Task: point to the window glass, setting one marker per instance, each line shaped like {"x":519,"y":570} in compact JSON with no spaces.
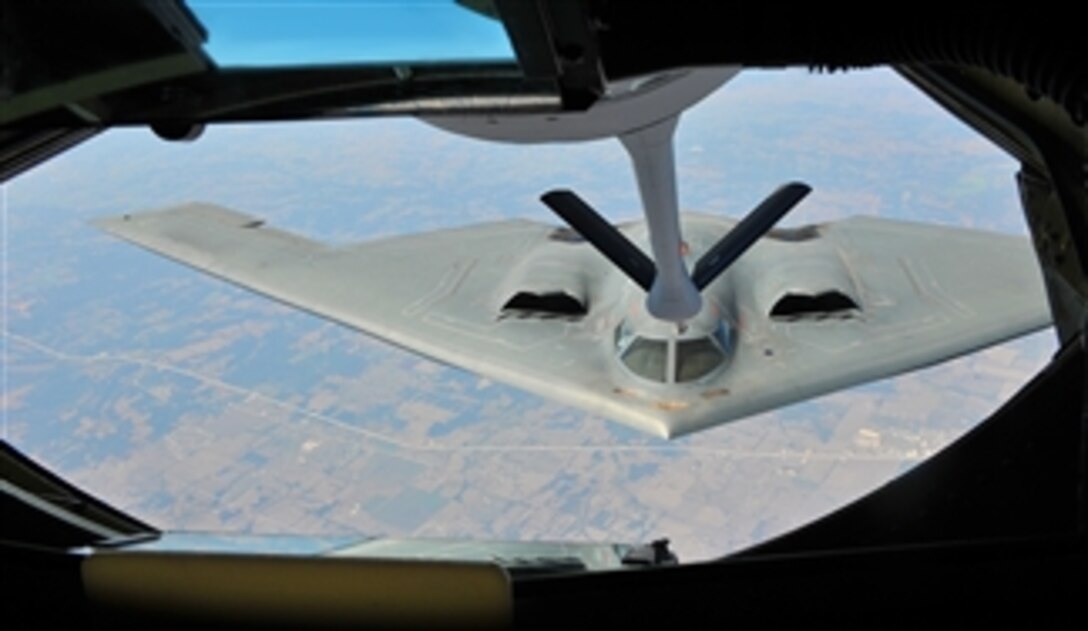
{"x":696,"y":358}
{"x":724,"y":339}
{"x":288,"y":32}
{"x":144,"y":380}
{"x":623,"y":338}
{"x":647,"y":358}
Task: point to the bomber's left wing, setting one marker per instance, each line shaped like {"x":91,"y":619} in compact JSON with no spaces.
{"x":443,"y":294}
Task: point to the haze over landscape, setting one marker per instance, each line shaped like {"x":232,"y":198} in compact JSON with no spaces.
{"x":198,"y":406}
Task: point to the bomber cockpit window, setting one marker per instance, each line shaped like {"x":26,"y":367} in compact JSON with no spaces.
{"x":697,"y":358}
{"x":671,"y":360}
{"x":647,"y":358}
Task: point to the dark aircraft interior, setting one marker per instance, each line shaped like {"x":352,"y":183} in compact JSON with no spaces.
{"x":993,"y":529}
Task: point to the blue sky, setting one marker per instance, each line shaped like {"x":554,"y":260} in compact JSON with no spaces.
{"x":272,"y":32}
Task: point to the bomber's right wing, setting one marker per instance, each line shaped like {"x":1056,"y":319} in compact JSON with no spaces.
{"x":830,"y":306}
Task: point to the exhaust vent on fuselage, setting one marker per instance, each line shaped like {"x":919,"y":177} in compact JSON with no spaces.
{"x":552,"y":280}
{"x":555,"y":304}
{"x":820,"y":306}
